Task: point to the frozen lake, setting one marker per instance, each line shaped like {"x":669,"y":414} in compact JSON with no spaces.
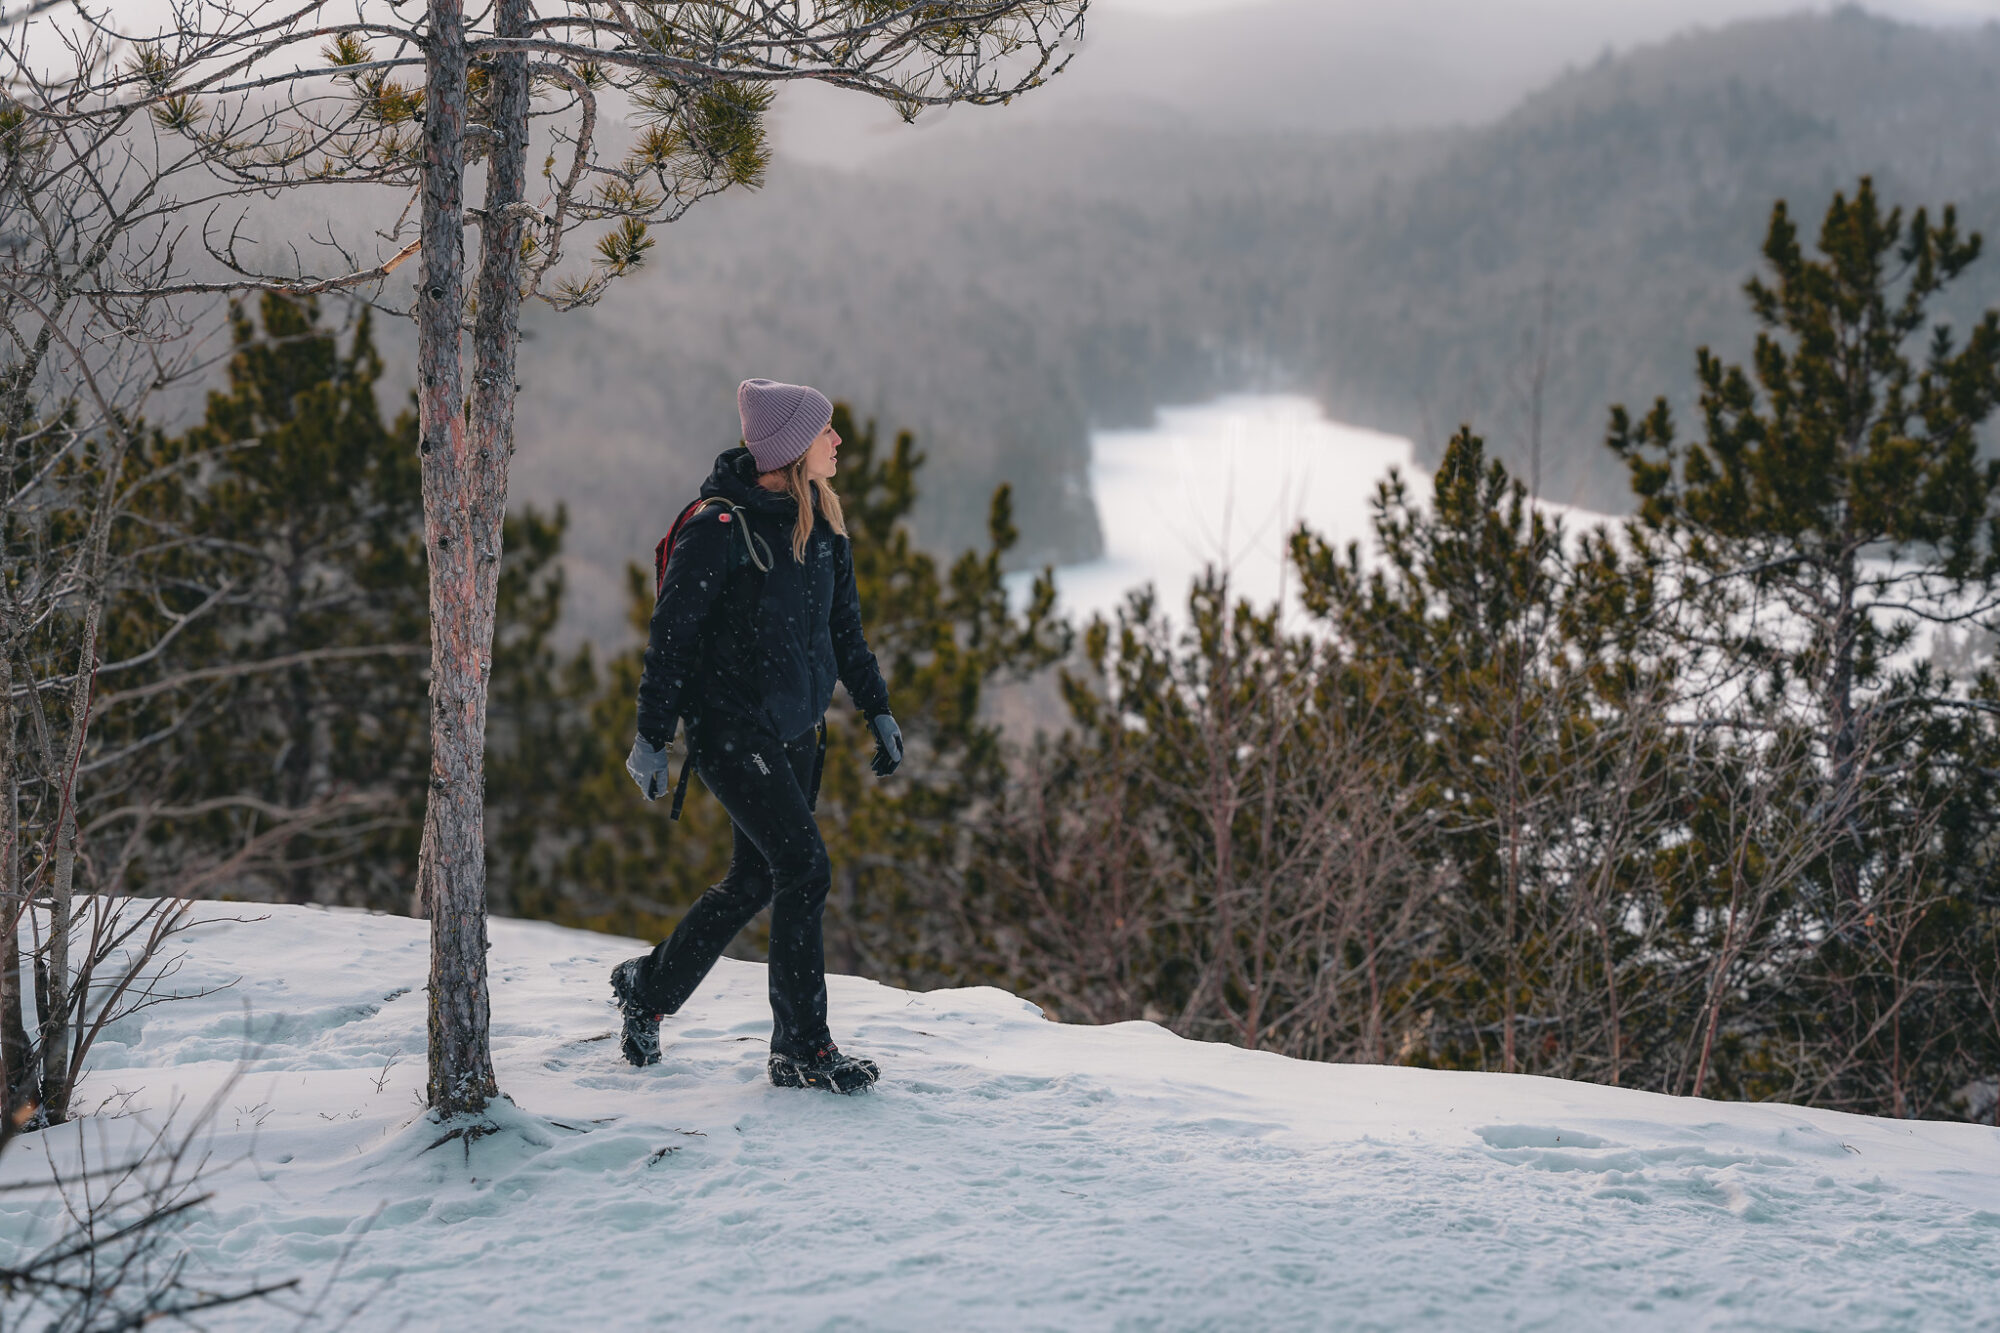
{"x":1224,"y":484}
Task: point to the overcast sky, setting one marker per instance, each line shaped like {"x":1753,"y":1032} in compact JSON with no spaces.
{"x":1669,"y":13}
{"x":1311,"y":65}
{"x":1294,"y":65}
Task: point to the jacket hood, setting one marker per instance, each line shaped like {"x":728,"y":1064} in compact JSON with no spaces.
{"x":734,"y":479}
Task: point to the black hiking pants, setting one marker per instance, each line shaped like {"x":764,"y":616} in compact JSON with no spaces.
{"x":777,"y":859}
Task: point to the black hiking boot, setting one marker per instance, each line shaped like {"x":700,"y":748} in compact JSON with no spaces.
{"x":640,"y":1041}
{"x":824,"y":1068}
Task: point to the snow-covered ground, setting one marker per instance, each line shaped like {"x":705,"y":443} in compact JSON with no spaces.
{"x":1009,"y":1173}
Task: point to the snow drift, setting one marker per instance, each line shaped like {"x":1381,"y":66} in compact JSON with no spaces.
{"x":1010,"y":1172}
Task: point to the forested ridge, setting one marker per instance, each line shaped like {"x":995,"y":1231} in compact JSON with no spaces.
{"x":1001,"y":292}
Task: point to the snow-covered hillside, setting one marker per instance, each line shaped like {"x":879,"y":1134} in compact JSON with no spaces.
{"x":1010,"y":1172}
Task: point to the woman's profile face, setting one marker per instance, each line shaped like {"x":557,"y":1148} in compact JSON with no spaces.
{"x":822,"y":459}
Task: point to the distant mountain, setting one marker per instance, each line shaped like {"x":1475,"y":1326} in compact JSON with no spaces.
{"x":1290,"y":67}
{"x":1004,"y":290}
{"x":1635,"y":195}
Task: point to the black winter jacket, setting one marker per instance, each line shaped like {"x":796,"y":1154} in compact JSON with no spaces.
{"x":732,"y":643}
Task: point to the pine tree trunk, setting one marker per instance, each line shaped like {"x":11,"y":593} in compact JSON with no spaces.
{"x":495,"y":335}
{"x":495,"y":330}
{"x":461,"y":529}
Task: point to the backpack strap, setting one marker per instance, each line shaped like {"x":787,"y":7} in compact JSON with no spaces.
{"x":752,"y":543}
{"x":757,"y":548}
{"x":681,"y":787}
{"x":819,"y":766}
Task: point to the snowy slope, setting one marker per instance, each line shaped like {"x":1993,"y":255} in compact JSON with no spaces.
{"x":1010,"y":1173}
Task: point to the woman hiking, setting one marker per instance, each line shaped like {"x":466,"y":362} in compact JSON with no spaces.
{"x":756,"y":617}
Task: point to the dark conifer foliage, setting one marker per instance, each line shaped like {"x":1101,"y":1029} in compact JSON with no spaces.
{"x":289,"y":518}
{"x":1836,"y":508}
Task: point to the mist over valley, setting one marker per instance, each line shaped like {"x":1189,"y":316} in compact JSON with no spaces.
{"x":1002,"y":285}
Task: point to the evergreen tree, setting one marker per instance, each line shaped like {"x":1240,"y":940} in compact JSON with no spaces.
{"x":1837,"y":508}
{"x":1464,"y":622}
{"x":286,"y":529}
{"x":289,"y":519}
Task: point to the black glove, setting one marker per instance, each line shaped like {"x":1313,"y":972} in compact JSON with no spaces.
{"x":648,"y":768}
{"x":888,"y":745}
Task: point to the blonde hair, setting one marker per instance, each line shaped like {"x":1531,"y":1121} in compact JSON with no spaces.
{"x":801,"y":490}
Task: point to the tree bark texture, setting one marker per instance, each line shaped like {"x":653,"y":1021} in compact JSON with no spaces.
{"x":462,"y":513}
{"x":495,"y":335}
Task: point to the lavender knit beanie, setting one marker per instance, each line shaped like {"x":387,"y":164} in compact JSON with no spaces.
{"x":780,"y":421}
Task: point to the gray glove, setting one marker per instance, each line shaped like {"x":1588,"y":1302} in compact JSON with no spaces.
{"x":648,"y":768}
{"x":888,"y":745}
